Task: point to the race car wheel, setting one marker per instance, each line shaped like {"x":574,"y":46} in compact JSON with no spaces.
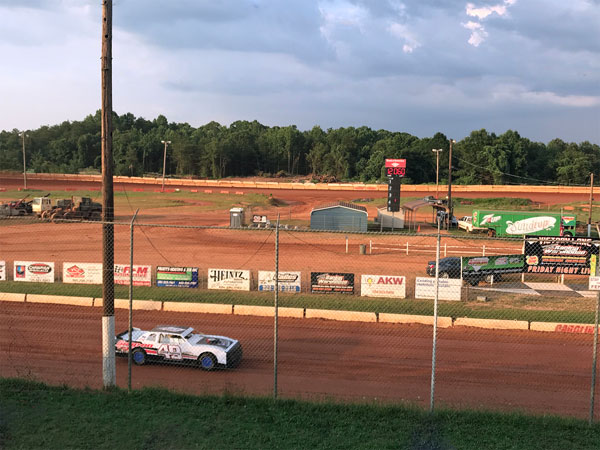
{"x":444,"y":275}
{"x":207,"y":361}
{"x":139,"y":356}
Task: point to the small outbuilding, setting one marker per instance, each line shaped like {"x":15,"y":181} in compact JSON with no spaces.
{"x":340,"y":216}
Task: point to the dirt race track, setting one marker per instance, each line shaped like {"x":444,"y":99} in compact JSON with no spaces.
{"x":508,"y":370}
{"x":542,"y":373}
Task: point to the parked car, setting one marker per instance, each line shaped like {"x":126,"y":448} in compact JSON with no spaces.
{"x":179,"y":345}
{"x":450,"y":268}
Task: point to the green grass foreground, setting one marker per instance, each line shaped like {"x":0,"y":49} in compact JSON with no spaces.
{"x":35,"y":416}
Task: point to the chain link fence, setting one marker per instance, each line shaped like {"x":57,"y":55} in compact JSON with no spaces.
{"x":350,"y":316}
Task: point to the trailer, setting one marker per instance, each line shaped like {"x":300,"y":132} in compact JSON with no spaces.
{"x":521,"y":223}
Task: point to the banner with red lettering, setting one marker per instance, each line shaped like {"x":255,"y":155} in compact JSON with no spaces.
{"x":142,"y":275}
{"x":393,"y":286}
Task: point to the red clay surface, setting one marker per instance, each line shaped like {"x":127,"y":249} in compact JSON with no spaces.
{"x":542,"y":373}
{"x":536,"y":372}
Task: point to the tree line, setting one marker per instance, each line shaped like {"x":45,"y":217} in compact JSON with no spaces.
{"x":252,"y":149}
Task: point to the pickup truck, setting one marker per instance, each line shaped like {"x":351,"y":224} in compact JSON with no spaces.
{"x":466,"y":223}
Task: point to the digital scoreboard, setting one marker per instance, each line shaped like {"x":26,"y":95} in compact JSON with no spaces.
{"x":395,"y":167}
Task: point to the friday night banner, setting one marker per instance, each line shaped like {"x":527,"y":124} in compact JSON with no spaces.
{"x":331,"y":282}
{"x":560,"y":255}
{"x":492,"y":264}
{"x":183,"y":277}
{"x":288,"y":281}
{"x":237,"y":280}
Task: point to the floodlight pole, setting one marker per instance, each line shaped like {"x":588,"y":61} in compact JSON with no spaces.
{"x":450,"y":212}
{"x":24,"y":135}
{"x":164,"y":164}
{"x":437,"y":169}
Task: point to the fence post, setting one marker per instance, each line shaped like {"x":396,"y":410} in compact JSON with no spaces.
{"x":407,"y":247}
{"x":276,"y":314}
{"x":594,"y":360}
{"x":483,"y":250}
{"x":370,"y":247}
{"x":435,"y":315}
{"x":130,"y":331}
{"x":445,"y":249}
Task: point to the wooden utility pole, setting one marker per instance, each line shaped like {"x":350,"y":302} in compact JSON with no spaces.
{"x":108,"y":257}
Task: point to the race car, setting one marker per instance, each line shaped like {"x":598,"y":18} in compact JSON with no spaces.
{"x":179,"y":345}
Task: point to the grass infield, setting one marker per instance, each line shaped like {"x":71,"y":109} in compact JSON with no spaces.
{"x":36,"y":416}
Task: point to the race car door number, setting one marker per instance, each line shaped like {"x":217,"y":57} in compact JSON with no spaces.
{"x":169,"y":351}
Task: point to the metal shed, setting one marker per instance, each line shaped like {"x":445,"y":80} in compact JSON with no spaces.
{"x":340,"y":216}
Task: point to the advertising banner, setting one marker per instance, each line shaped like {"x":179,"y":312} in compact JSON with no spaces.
{"x":183,"y":277}
{"x":594,"y":284}
{"x":560,"y":255}
{"x":448,"y":288}
{"x":2,"y":270}
{"x":330,"y":282}
{"x":237,"y":280}
{"x":493,"y":264}
{"x":288,"y":281}
{"x":82,"y":273}
{"x":38,"y":272}
{"x":383,"y":286}
{"x":142,"y":275}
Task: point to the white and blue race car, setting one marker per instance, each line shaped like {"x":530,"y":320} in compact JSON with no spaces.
{"x":179,"y":345}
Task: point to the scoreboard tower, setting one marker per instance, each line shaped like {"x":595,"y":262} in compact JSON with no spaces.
{"x":394,"y":170}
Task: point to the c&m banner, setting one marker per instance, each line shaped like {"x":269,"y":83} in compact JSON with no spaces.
{"x":82,"y":273}
{"x":142,"y":275}
{"x":383,"y":286}
{"x":288,"y":281}
{"x":184,"y":277}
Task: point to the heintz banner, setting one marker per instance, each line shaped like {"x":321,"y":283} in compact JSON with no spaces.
{"x":37,"y":272}
{"x":331,"y":282}
{"x":391,"y":286}
{"x":183,"y":277}
{"x":234,"y":279}
{"x":142,"y":275}
{"x":560,"y":255}
{"x":82,"y":273}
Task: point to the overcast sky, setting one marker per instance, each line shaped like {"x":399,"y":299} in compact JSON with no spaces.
{"x":419,"y":66}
